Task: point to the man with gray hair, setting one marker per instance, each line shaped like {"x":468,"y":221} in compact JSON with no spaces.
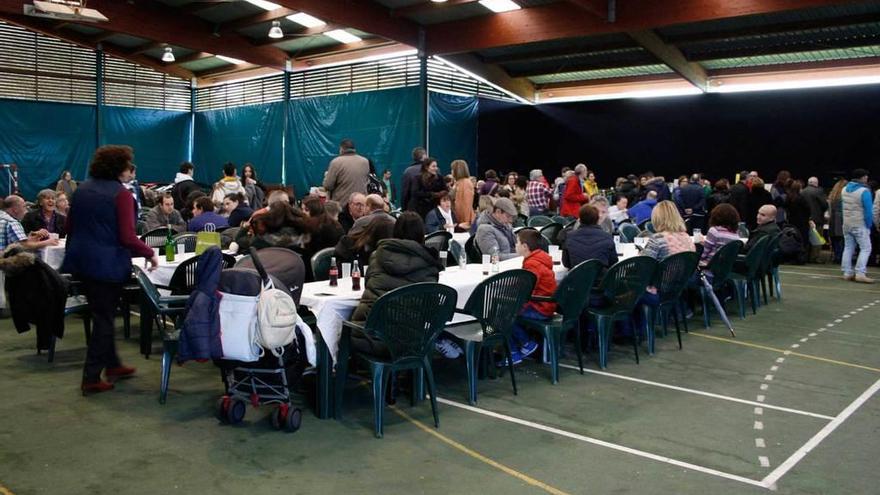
{"x":600,"y":203}
{"x":11,"y":231}
{"x":44,"y":216}
{"x":375,"y":206}
{"x":818,"y":203}
{"x":495,"y":230}
{"x":538,"y":193}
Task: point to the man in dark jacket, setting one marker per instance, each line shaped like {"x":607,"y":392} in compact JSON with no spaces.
{"x":739,"y":195}
{"x":692,"y":199}
{"x":183,"y":185}
{"x":817,"y":200}
{"x":411,"y":178}
{"x":589,"y":241}
{"x":766,"y":226}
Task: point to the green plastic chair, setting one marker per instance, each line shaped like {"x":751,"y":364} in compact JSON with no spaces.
{"x":670,"y":279}
{"x":474,"y":255}
{"x":628,"y":232}
{"x":571,"y":297}
{"x":747,"y":271}
{"x":770,"y":272}
{"x":494,"y":303}
{"x":155,"y":238}
{"x":721,"y":266}
{"x":189,"y":241}
{"x":565,"y":221}
{"x":321,"y":263}
{"x":520,"y":220}
{"x":551,"y":232}
{"x":539,"y":221}
{"x":455,"y":250}
{"x":438,"y":240}
{"x":407,"y":320}
{"x":621,"y":288}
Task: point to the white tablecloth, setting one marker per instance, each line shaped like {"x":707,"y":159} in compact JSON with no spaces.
{"x":162,"y":274}
{"x":333,"y":305}
{"x":53,"y":255}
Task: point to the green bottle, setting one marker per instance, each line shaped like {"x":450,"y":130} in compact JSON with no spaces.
{"x":170,"y":246}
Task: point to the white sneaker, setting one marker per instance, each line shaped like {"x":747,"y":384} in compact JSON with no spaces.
{"x":447,"y":348}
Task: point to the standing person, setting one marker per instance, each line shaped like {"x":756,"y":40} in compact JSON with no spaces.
{"x":66,"y":184}
{"x":463,"y":201}
{"x":573,"y":197}
{"x":720,"y":194}
{"x":518,"y":196}
{"x":739,"y":195}
{"x":164,"y":214}
{"x":835,"y":219}
{"x":256,"y":192}
{"x":411,"y":177}
{"x":183,"y":185}
{"x":778,"y":191}
{"x":857,"y":223}
{"x":134,"y":188}
{"x":757,"y":197}
{"x":229,"y":184}
{"x":538,"y":193}
{"x":44,"y":217}
{"x":101,"y":243}
{"x":815,"y":197}
{"x":390,"y":188}
{"x":591,"y":187}
{"x":347,"y":174}
{"x":798,"y":211}
{"x":429,"y":187}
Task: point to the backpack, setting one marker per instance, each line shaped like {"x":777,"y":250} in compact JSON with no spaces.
{"x":791,"y":244}
{"x":375,"y":185}
{"x":276,"y":319}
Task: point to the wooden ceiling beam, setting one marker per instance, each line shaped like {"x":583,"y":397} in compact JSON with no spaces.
{"x":192,"y":57}
{"x":572,"y":49}
{"x":519,"y":86}
{"x":672,"y":57}
{"x":303,"y":33}
{"x":562,"y":20}
{"x":145,"y":47}
{"x":421,"y":8}
{"x":367,"y":16}
{"x":774,"y":28}
{"x":805,"y":46}
{"x":198,"y":6}
{"x":272,"y":15}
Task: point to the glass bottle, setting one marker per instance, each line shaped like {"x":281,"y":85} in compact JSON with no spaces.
{"x":170,"y":246}
{"x":355,"y":276}
{"x":334,"y":272}
{"x":496,"y":258}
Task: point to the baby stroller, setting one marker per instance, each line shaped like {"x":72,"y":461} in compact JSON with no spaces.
{"x":262,"y":377}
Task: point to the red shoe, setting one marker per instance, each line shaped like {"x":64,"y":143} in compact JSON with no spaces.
{"x":119,"y":372}
{"x":96,"y":387}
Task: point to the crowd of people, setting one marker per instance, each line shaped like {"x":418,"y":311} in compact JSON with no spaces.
{"x":367,"y":218}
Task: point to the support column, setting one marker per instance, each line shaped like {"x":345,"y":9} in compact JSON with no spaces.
{"x":286,"y":120}
{"x":99,"y":93}
{"x":193,"y":85}
{"x":423,"y":89}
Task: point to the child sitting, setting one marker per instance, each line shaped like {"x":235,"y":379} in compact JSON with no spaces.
{"x":537,"y":261}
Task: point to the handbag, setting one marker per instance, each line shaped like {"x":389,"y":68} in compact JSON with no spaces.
{"x":207,"y":238}
{"x":277,"y":317}
{"x":816,"y":238}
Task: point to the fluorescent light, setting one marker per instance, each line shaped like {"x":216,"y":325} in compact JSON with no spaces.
{"x":648,"y":93}
{"x":795,"y":84}
{"x":275,"y":31}
{"x":438,"y":1}
{"x":500,"y":5}
{"x":168,"y":56}
{"x":342,"y":36}
{"x":306,"y":20}
{"x":230,"y":60}
{"x":263,"y":4}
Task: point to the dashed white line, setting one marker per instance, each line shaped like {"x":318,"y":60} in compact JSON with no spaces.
{"x":761,"y":398}
{"x":813,"y":334}
{"x":774,"y":368}
{"x":795,"y":346}
{"x":764,"y":386}
{"x":765,"y":462}
{"x":780,"y":360}
{"x":829,"y":325}
{"x":821,"y":329}
{"x":838,"y":321}
{"x":759,"y":411}
{"x":759,"y":425}
{"x":804,"y":339}
{"x":768,"y":378}
{"x":759,"y":443}
{"x":786,"y":353}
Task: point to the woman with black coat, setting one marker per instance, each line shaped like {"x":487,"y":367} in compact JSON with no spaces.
{"x":758,"y":197}
{"x":430,"y":187}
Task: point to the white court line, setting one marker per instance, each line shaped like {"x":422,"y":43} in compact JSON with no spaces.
{"x":602,"y":443}
{"x":764,"y":460}
{"x":759,"y":425}
{"x":700,"y":392}
{"x":759,"y":411}
{"x":860,"y":335}
{"x":759,"y":443}
{"x":771,"y":479}
{"x":817,"y":275}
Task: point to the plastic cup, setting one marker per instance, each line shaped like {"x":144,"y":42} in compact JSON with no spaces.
{"x":157,"y":252}
{"x":487,"y":260}
{"x":181,"y":249}
{"x":346,"y":270}
{"x":443,"y":257}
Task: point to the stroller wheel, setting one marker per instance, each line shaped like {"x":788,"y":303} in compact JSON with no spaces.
{"x":235,"y":412}
{"x":221,"y":409}
{"x":294,"y":420}
{"x":277,"y":419}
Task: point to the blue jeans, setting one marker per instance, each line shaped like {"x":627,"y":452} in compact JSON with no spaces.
{"x":519,"y":334}
{"x":853,"y":236}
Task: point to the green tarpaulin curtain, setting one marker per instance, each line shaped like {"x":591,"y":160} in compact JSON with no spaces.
{"x":160,"y":139}
{"x":452,"y":130}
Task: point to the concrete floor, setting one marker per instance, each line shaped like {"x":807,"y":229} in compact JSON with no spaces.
{"x":721,"y":416}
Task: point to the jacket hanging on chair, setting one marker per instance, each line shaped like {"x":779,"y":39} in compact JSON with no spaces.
{"x":200,"y":332}
{"x":36,"y":293}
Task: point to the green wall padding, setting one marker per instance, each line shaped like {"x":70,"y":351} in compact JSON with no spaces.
{"x":160,"y":139}
{"x":452,"y":130}
{"x":43,"y":139}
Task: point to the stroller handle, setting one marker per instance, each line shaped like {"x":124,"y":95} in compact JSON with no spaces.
{"x":258,"y":265}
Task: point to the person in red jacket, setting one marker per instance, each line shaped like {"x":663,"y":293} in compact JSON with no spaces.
{"x":573,"y":195}
{"x":537,"y":261}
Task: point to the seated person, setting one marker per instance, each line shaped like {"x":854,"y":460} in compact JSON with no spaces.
{"x":600,"y":203}
{"x":11,"y":231}
{"x":400,"y":260}
{"x":443,"y":218}
{"x":588,"y":241}
{"x":234,"y":205}
{"x":361,"y":245}
{"x":375,"y":207}
{"x":766,"y":226}
{"x":496,"y":232}
{"x":618,"y":212}
{"x":723,"y":222}
{"x":283,"y":226}
{"x":203,"y":214}
{"x":164,"y":214}
{"x":324,"y":231}
{"x":189,"y":203}
{"x":351,"y":211}
{"x":537,"y":261}
{"x":670,"y":235}
{"x":44,"y":217}
{"x":641,"y":211}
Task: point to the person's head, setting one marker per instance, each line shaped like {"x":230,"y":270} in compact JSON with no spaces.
{"x":357,"y":205}
{"x":460,"y":169}
{"x":591,"y":176}
{"x":753,"y":174}
{"x":504,"y":211}
{"x":46,"y":200}
{"x":666,"y":218}
{"x":766,"y":214}
{"x":112,"y":162}
{"x":643,"y":180}
{"x":62,"y":203}
{"x":757,"y":183}
{"x":813,"y":181}
{"x":333,"y":209}
{"x":682,"y":180}
{"x":696,"y":178}
{"x":202,"y":205}
{"x":231,"y":201}
{"x":449,"y":180}
{"x":859,"y":175}
{"x":588,"y":215}
{"x":248,"y":171}
{"x":429,"y":166}
{"x":65,"y":175}
{"x":794,"y":189}
{"x":15,"y":206}
{"x":409,"y":225}
{"x":166,"y":203}
{"x":600,"y":203}
{"x":491,"y":175}
{"x":346,"y":146}
{"x":510,"y":180}
{"x":782,"y":178}
{"x":527,"y":240}
{"x":186,"y":168}
{"x":375,"y":202}
{"x":386,"y":174}
{"x":721,"y":185}
{"x":192,"y":197}
{"x":229,"y":169}
{"x":651,"y":195}
{"x":522,"y":182}
{"x":621,"y":202}
{"x":581,"y":170}
{"x":744,"y":175}
{"x":313,"y":207}
{"x":444,"y":202}
{"x":536,"y":174}
{"x":724,"y":215}
{"x":418,"y":154}
{"x":277,"y":197}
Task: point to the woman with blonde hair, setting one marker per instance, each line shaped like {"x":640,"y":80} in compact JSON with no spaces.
{"x":463,"y":201}
{"x":670,"y":235}
{"x":835,"y":219}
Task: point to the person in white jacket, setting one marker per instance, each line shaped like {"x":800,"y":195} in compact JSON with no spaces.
{"x":229,"y":184}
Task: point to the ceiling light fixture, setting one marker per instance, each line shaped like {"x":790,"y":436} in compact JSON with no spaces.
{"x":168,"y":56}
{"x":439,"y":1}
{"x":306,"y":20}
{"x":275,"y":31}
{"x":342,"y":36}
{"x":263,"y":4}
{"x":500,"y":5}
{"x":230,"y":60}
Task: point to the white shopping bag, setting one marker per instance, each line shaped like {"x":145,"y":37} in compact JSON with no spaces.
{"x":238,"y":327}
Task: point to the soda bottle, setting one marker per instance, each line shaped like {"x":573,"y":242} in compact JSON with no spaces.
{"x":496,"y":258}
{"x":170,"y":246}
{"x":355,"y":276}
{"x":334,"y":273}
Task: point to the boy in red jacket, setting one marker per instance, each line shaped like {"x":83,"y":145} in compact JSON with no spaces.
{"x":537,"y":261}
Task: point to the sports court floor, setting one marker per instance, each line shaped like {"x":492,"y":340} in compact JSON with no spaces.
{"x":790,"y":405}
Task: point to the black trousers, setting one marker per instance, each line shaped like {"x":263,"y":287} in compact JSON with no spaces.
{"x":102,"y":300}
